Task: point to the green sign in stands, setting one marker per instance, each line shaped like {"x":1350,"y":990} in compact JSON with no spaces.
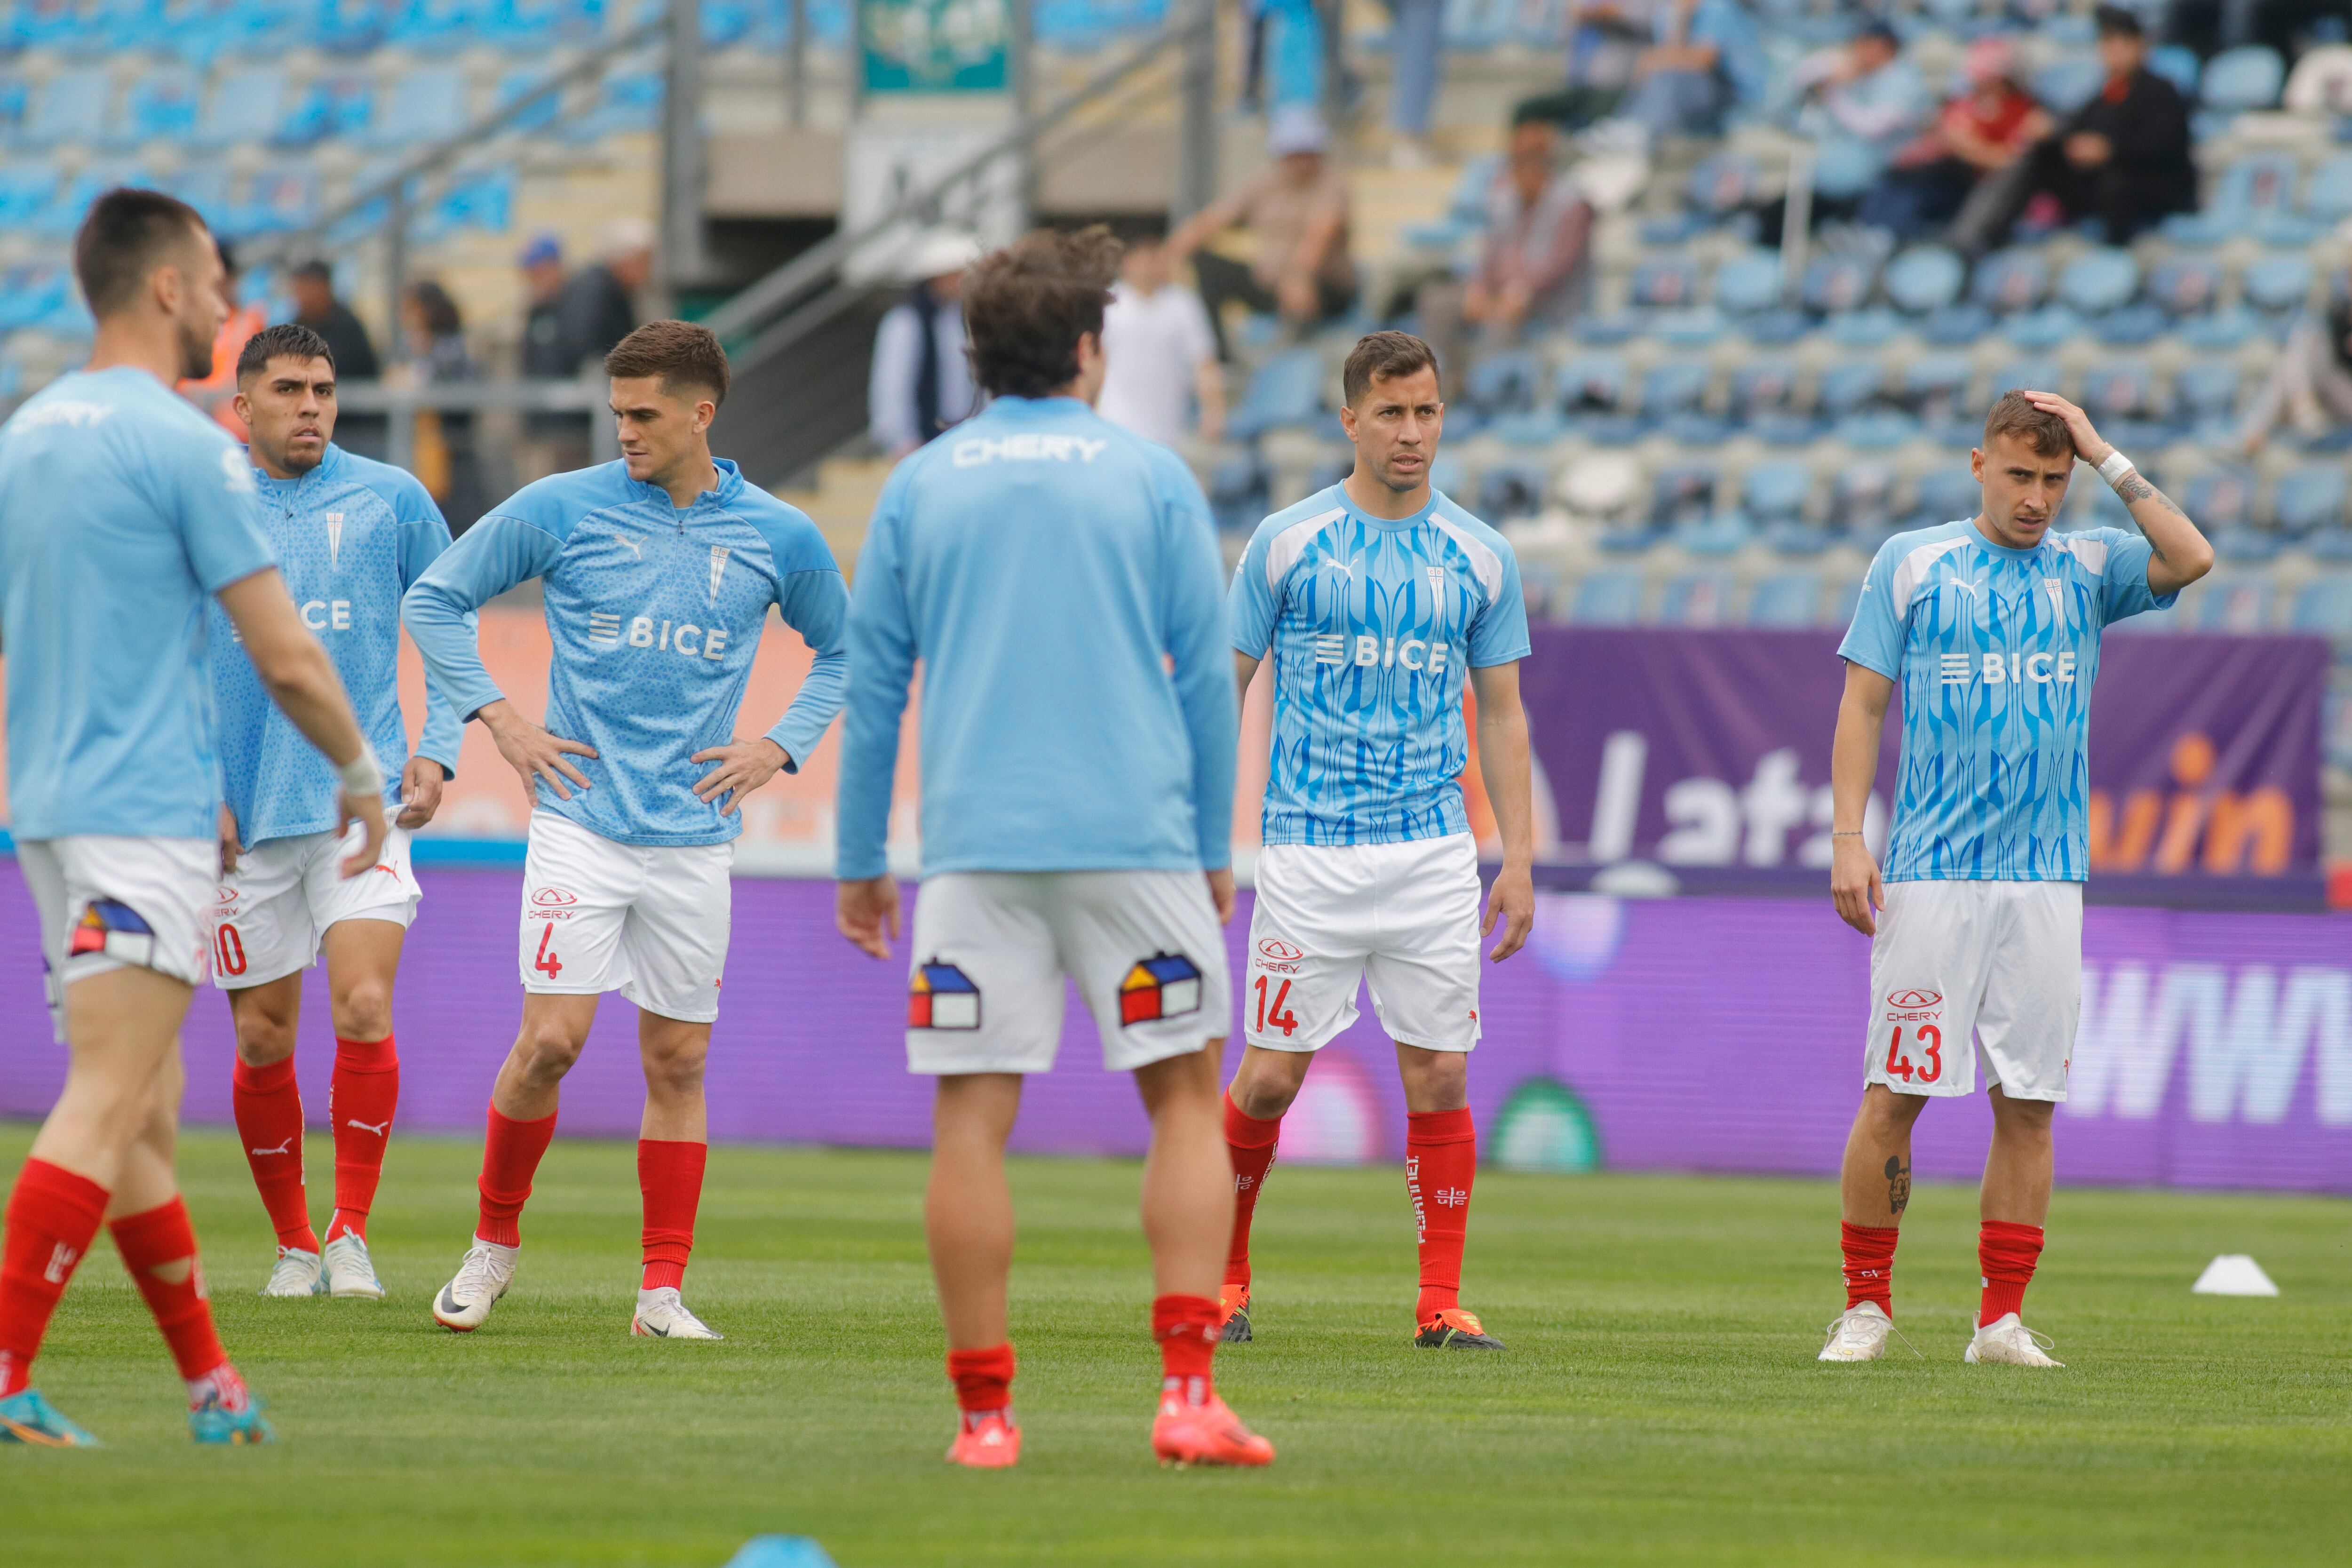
{"x":933,"y":45}
{"x":1543,"y":1126}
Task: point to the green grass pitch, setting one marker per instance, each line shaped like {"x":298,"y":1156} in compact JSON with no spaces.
{"x":1659,"y":1403}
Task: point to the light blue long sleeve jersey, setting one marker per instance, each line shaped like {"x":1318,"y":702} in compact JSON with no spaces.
{"x":654,"y":612}
{"x":350,"y":536}
{"x":1059,"y":578}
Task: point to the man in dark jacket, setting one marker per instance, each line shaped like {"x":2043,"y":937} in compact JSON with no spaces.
{"x":2122,"y":158}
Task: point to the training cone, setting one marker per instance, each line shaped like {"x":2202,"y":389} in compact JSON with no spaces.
{"x":2233,"y":1274}
{"x":782,"y":1552}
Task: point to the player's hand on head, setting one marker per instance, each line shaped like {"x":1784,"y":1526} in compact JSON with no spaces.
{"x":2089,"y":446}
{"x":1854,"y":886}
{"x":420,"y":792}
{"x":533,"y":753}
{"x":866,"y":913}
{"x":228,"y":848}
{"x":1510,"y":902}
{"x":367,"y":810}
{"x":742,"y":766}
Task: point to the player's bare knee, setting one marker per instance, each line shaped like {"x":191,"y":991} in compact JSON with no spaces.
{"x":1433,"y":1080}
{"x":363,"y":1009}
{"x":545,"y":1051}
{"x":674,"y":1066}
{"x":2031,"y":1117}
{"x":1885,"y":1111}
{"x":1268,"y":1081}
{"x":264,"y":1041}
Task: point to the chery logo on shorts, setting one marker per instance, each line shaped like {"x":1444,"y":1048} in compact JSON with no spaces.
{"x":225,"y":896}
{"x":1914,"y":1006}
{"x":547,"y":896}
{"x":1281,"y":951}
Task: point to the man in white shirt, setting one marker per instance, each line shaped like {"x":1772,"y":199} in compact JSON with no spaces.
{"x":1160,"y":356}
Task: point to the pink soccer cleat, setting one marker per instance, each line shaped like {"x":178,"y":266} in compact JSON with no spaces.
{"x":987,"y":1442}
{"x":1186,"y":1434}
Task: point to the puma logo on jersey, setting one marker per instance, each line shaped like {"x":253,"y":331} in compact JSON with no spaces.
{"x":633,"y":546}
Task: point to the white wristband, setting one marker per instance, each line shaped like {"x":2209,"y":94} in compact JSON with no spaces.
{"x":2115,"y":466}
{"x":362,"y":776}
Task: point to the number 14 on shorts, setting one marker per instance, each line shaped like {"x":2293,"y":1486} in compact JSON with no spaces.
{"x":1274,"y":1014}
{"x":1928,"y":1041}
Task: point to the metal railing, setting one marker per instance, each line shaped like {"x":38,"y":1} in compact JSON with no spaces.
{"x":400,"y":403}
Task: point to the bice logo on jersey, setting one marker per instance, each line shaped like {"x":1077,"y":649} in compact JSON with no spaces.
{"x":606,"y":629}
{"x":1165,"y":986}
{"x":1370,"y":652}
{"x":1914,"y":1005}
{"x":942,"y":996}
{"x":2044,"y":669}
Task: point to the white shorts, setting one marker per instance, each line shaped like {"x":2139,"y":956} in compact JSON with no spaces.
{"x":1402,"y":917}
{"x":647,"y":920}
{"x":2001,"y":960}
{"x":112,"y":902}
{"x":991,"y":948}
{"x":276,"y":907}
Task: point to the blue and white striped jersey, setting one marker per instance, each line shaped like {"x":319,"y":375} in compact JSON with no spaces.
{"x":654,"y":612}
{"x":1994,"y":650}
{"x":350,"y":536}
{"x":1373,"y":625}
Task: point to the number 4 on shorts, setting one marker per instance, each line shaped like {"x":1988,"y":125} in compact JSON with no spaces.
{"x":547,"y":963}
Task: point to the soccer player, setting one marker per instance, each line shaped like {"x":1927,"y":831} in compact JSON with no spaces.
{"x":1381,"y":599}
{"x":123,"y":510}
{"x":658,"y":571}
{"x":1992,"y":625}
{"x":351,"y":535}
{"x":1058,"y":578}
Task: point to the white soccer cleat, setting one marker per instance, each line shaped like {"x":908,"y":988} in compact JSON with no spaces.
{"x":2009,"y":1342}
{"x":464,"y":1303}
{"x":349,"y":1270}
{"x":662,"y":1315}
{"x":297,"y":1273}
{"x":1859,"y":1334}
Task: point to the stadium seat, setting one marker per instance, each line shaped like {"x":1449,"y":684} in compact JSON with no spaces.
{"x":2177,"y":65}
{"x":1925,"y":279}
{"x":1237,"y":492}
{"x":64,"y":213}
{"x":426,"y":104}
{"x":1775,"y":492}
{"x":283,"y":196}
{"x":1721,"y":185}
{"x":479,"y":199}
{"x":1696,"y":599}
{"x":2065,"y":85}
{"x":1936,"y":392}
{"x":2324,"y":607}
{"x":1664,"y":283}
{"x":2254,"y":194}
{"x":1838,"y":283}
{"x":14,"y":98}
{"x":1749,"y":284}
{"x":26,"y":190}
{"x":2026,"y":374}
{"x":2010,"y":282}
{"x":542,"y":115}
{"x":2220,"y":499}
{"x":28,"y":294}
{"x":629,"y":103}
{"x":1850,"y":385}
{"x":1505,"y":383}
{"x":161,"y":106}
{"x":72,"y":108}
{"x":2278,"y":284}
{"x":1590,"y":390}
{"x":1670,"y":396}
{"x":2310,"y":498}
{"x":2205,"y":398}
{"x":246,"y":106}
{"x":2327,"y":195}
{"x":1682,"y":493}
{"x":1286,"y":391}
{"x":1861,"y":500}
{"x":337,"y":104}
{"x":1786,"y":600}
{"x":2234,"y":603}
{"x":2120,"y":397}
{"x":206,"y":188}
{"x":1945,"y":495}
{"x":1843,"y":602}
{"x":348,"y":27}
{"x":1764,"y":399}
{"x":1512,"y":490}
{"x":2235,"y":80}
{"x":1611,"y":597}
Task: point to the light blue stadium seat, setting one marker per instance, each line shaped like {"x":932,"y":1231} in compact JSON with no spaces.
{"x":2248,"y":77}
{"x":514,"y":84}
{"x":2025,"y":375}
{"x":1926,"y":278}
{"x":1682,"y":493}
{"x":337,"y":104}
{"x":1835,"y":284}
{"x":1721,"y":185}
{"x":26,"y":190}
{"x":1723,"y":533}
{"x":2065,"y":85}
{"x":2205,"y":393}
{"x":161,"y":106}
{"x":1237,"y":492}
{"x":1843,"y":602}
{"x":2010,"y":282}
{"x":72,"y":108}
{"x":348,"y":27}
{"x":427,"y":104}
{"x":2186,"y":285}
{"x":1848,"y":386}
{"x":1764,"y":399}
{"x":2255,"y":195}
{"x":2221,"y":498}
{"x":2278,"y":284}
{"x":1775,"y":492}
{"x":28,"y":294}
{"x":2310,"y":498}
{"x":206,"y":188}
{"x":64,"y":214}
{"x":2327,"y":194}
{"x":2177,"y":65}
{"x":1786,"y":600}
{"x":478,"y":199}
{"x":247,"y":105}
{"x":2324,"y":607}
{"x":1286,"y":391}
{"x":1610,"y":597}
{"x":1664,"y":283}
{"x":1450,"y":474}
{"x":2099,"y":280}
{"x":1505,"y":383}
{"x":630,"y":104}
{"x":1861,"y":499}
{"x":2122,"y":394}
{"x":1511,"y":490}
{"x":1592,"y":384}
{"x":1945,"y":495}
{"x":16,"y":96}
{"x":1936,"y":386}
{"x":2234,"y":603}
{"x":1749,"y":284}
{"x":1696,"y":599}
{"x":283,"y":196}
{"x":1670,"y":399}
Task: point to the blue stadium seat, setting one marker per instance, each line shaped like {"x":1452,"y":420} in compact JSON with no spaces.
{"x":1764,"y":399}
{"x":427,"y":103}
{"x":1786,"y":601}
{"x":284,"y":195}
{"x":159,"y":107}
{"x":2324,"y":607}
{"x":1936,"y":390}
{"x":2221,"y":498}
{"x":72,"y":108}
{"x":2186,"y":285}
{"x":629,"y":103}
{"x":1505,"y":383}
{"x":1861,"y":500}
{"x":26,"y":190}
{"x":1591,"y":384}
{"x":1850,"y":385}
{"x":1838,"y":283}
{"x":2249,"y":546}
{"x":1926,"y":278}
{"x":247,"y":105}
{"x":2177,"y":65}
{"x":1237,"y":492}
{"x":2065,"y":85}
{"x":1286,"y":391}
{"x":1722,"y":185}
{"x":1611,"y":597}
{"x":348,"y":27}
{"x":2205,"y":395}
{"x":64,"y":213}
{"x":478,"y":199}
{"x":1749,"y":284}
{"x":1945,"y":495}
{"x":2254,"y":194}
{"x":2327,"y":195}
{"x":2025,"y":375}
{"x":1682,"y":493}
{"x":30,"y":293}
{"x":2121,"y":394}
{"x":1775,"y":492}
{"x":542,"y":115}
{"x":206,"y":188}
{"x":2278,"y":284}
{"x":1670,"y":396}
{"x":2010,"y":282}
{"x":1664,"y":283}
{"x":2234,"y":603}
{"x":1696,"y":599}
{"x":2248,"y":77}
{"x":428,"y":25}
{"x":1511,"y":490}
{"x":15,"y":99}
{"x":2310,"y":498}
{"x":337,"y":104}
{"x":2099,"y":280}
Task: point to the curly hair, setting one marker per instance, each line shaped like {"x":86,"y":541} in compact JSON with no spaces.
{"x":1025,"y":308}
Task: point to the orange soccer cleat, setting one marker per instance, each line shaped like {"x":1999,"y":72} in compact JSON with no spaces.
{"x":1186,"y":1434}
{"x":987,"y":1442}
{"x":1234,"y":1320}
{"x":1455,"y":1328}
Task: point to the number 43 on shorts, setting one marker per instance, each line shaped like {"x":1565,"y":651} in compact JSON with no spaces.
{"x":1929,"y":1041}
{"x":1274,"y":1014}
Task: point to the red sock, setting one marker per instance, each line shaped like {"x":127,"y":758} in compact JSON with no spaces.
{"x":159,"y":1250}
{"x":1869,"y":1264}
{"x":670,"y":1176}
{"x":1440,"y":1161}
{"x":268,"y":1104}
{"x":2007,"y":1252}
{"x":52,"y":1216}
{"x":510,"y":1157}
{"x":360,"y":1098}
{"x":1186,"y":1328}
{"x":983,"y":1381}
{"x":1251,"y":1143}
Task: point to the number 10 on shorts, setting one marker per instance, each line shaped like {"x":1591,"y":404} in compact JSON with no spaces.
{"x":1928,"y":1040}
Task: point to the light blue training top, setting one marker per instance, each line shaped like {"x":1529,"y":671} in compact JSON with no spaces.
{"x":123,"y":510}
{"x":1059,"y":578}
{"x":350,"y":536}
{"x":654,"y":613}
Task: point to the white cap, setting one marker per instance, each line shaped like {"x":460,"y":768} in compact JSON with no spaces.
{"x":1295,"y":127}
{"x":626,"y":237}
{"x":939,"y":251}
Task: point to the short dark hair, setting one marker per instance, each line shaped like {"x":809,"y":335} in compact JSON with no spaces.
{"x":286,"y":339}
{"x":679,"y":353}
{"x":125,"y":237}
{"x":440,"y":311}
{"x":2115,"y":21}
{"x":2013,"y":413}
{"x":1027,"y":306}
{"x":316,"y":267}
{"x":1377,"y":356}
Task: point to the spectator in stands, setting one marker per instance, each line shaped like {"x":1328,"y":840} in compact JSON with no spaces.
{"x":921,"y":378}
{"x":552,"y":443}
{"x":1706,"y":59}
{"x":598,"y":306}
{"x":1416,"y":70}
{"x":1160,"y":358}
{"x":218,"y":390}
{"x":445,"y":460}
{"x":1298,"y":211}
{"x":1862,"y":103}
{"x":2310,"y":385}
{"x":1531,"y":271}
{"x":2122,"y":158}
{"x":1986,"y":128}
{"x":1605,"y":40}
{"x":316,"y":308}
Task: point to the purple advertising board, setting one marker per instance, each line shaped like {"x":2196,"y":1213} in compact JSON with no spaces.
{"x":1710,"y":750}
{"x":1693,"y":1034}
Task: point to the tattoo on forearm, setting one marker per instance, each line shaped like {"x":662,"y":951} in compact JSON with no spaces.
{"x":1898,"y":1184}
{"x":2132,"y":488}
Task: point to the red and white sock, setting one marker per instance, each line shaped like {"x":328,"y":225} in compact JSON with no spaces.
{"x":361,"y":1100}
{"x":511,"y":1157}
{"x":1869,"y":1264}
{"x":983,"y":1382}
{"x":1251,"y":1143}
{"x":53,"y":1217}
{"x":1186,"y":1328}
{"x":159,"y":1250}
{"x":669,"y":1177}
{"x":2007,"y":1253}
{"x":1440,"y":1165}
{"x":268,"y":1104}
